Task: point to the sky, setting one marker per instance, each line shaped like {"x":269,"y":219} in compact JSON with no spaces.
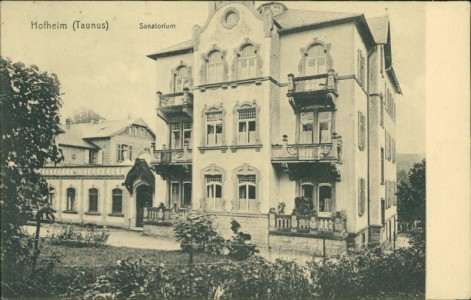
{"x":108,"y":71}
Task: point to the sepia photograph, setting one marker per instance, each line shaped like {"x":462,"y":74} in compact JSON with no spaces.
{"x":222,"y":150}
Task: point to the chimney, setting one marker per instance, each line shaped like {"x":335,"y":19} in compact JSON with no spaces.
{"x":68,"y":121}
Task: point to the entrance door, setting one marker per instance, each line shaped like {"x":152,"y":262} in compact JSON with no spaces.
{"x":143,"y":199}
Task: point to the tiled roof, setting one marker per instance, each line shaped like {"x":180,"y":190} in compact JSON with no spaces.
{"x":295,"y":18}
{"x":79,"y":133}
{"x":379,"y":28}
{"x":187,"y":45}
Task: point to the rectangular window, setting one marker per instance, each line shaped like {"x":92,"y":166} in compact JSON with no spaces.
{"x":325,"y":126}
{"x":214,"y":129}
{"x":92,"y":156}
{"x":175,"y":192}
{"x":382,"y":166}
{"x":175,"y":142}
{"x":50,"y":196}
{"x":122,"y":152}
{"x":247,"y":67}
{"x":361,"y":69}
{"x":247,"y":126}
{"x":93,"y":200}
{"x":130,"y":152}
{"x":71,"y":199}
{"x":215,"y":72}
{"x":117,"y":201}
{"x":187,"y":128}
{"x":361,"y":131}
{"x":307,"y":127}
{"x":361,"y":196}
{"x":383,"y":211}
{"x":186,"y":199}
{"x":381,"y":111}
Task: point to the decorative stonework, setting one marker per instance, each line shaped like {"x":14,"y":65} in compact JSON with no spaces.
{"x":212,"y":169}
{"x":304,"y":55}
{"x":204,"y":65}
{"x":242,"y":106}
{"x":174,"y":73}
{"x":237,"y":56}
{"x":230,"y":18}
{"x":207,"y":110}
{"x":245,"y":169}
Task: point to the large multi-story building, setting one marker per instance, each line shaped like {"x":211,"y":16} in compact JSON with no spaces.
{"x":284,"y":120}
{"x":96,"y":180}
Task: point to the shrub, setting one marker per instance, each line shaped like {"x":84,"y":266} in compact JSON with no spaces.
{"x":373,"y":273}
{"x":198,"y":230}
{"x":74,"y":236}
{"x":239,"y":245}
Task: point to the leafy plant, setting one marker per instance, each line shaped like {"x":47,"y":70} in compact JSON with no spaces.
{"x":239,"y":245}
{"x":302,"y":206}
{"x":198,"y":231}
{"x":74,"y":236}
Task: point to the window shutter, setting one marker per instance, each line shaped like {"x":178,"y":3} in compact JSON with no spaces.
{"x":359,"y":197}
{"x":130,"y":152}
{"x":359,"y":130}
{"x":117,"y":152}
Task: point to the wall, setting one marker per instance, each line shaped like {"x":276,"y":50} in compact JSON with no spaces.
{"x":80,"y":154}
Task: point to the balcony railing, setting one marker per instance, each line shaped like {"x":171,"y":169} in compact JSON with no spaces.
{"x":173,"y":156}
{"x":334,"y":225}
{"x":313,"y":83}
{"x":184,"y":98}
{"x":162,"y":215}
{"x":308,"y":152}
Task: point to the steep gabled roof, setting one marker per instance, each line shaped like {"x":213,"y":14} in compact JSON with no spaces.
{"x":379,"y":27}
{"x":297,"y":18}
{"x":83,"y":134}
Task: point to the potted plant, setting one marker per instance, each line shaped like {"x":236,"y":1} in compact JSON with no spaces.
{"x":302,"y":206}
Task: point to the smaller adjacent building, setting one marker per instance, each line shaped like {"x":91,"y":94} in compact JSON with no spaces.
{"x":88,"y":186}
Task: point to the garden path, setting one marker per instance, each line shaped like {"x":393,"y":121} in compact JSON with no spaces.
{"x":119,"y":238}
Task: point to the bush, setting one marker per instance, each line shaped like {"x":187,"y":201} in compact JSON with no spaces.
{"x":74,"y":236}
{"x":255,"y":278}
{"x":239,"y":245}
{"x":373,"y":273}
{"x":198,"y":230}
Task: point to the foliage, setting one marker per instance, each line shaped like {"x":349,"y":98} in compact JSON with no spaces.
{"x":239,"y":245}
{"x":302,"y":206}
{"x":74,"y":236}
{"x":30,"y":102}
{"x":256,"y":278}
{"x":198,"y":231}
{"x":86,"y":115}
{"x":281,"y":208}
{"x":411,"y":195}
{"x":372,"y":273}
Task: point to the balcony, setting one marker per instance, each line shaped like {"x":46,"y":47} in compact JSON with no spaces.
{"x":175,"y":105}
{"x":322,"y":152}
{"x":313,"y":91}
{"x":173,"y":156}
{"x":315,"y":225}
{"x":162,"y":215}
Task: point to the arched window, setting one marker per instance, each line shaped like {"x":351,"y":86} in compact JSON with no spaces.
{"x":215,"y":67}
{"x":316,"y":60}
{"x":246,"y":198}
{"x":93,"y":200}
{"x":71,"y":199}
{"x":307,"y":190}
{"x":182,"y":79}
{"x":117,"y":201}
{"x":212,"y":178}
{"x":247,"y":62}
{"x":325,"y":198}
{"x":214,"y":192}
{"x":247,"y":192}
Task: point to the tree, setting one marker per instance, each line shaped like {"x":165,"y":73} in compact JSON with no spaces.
{"x":30,"y":103}
{"x":85,"y":115}
{"x":411,"y":195}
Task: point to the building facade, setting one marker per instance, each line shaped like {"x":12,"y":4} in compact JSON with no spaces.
{"x":284,"y":120}
{"x":95,"y":183}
